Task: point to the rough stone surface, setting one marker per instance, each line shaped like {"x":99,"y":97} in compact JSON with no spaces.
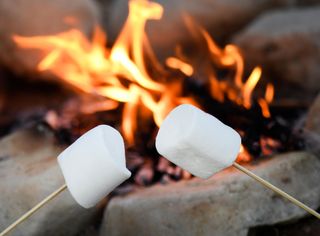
{"x":28,"y":173}
{"x":39,"y":17}
{"x":287,"y":44}
{"x":294,"y":3}
{"x":313,"y":117}
{"x":220,"y":17}
{"x":312,"y":127}
{"x":229,"y":203}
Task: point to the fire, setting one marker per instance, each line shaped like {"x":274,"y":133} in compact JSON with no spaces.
{"x":175,"y":63}
{"x":239,"y":92}
{"x":119,"y":74}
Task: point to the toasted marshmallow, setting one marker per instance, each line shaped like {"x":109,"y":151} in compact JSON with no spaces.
{"x":197,"y":142}
{"x":94,"y":165}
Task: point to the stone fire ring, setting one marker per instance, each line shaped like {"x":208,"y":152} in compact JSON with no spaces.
{"x":229,"y":203}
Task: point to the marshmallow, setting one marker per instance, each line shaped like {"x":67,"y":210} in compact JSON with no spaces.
{"x":94,"y":165}
{"x":197,"y":142}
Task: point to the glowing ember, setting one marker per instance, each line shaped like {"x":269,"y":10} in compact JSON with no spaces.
{"x":120,"y":75}
{"x":244,"y":155}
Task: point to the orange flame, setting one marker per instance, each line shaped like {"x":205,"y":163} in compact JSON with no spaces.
{"x":175,"y":63}
{"x":239,"y":92}
{"x":120,"y":75}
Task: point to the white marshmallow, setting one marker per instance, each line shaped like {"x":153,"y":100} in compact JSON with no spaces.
{"x":197,"y":141}
{"x":94,"y":165}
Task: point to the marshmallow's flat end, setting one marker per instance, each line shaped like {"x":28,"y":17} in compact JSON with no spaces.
{"x":94,"y":165}
{"x":175,"y":128}
{"x":197,"y":141}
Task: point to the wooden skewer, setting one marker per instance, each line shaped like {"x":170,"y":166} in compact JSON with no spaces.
{"x":33,"y":210}
{"x":277,"y":190}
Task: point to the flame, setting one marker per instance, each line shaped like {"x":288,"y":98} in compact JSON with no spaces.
{"x":239,"y":92}
{"x":250,"y":85}
{"x":268,"y":98}
{"x":175,"y":63}
{"x":120,"y":75}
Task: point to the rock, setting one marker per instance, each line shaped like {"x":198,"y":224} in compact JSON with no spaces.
{"x":312,"y":127}
{"x":287,"y":45}
{"x":39,"y":17}
{"x":313,"y":117}
{"x":221,"y":18}
{"x":229,"y":203}
{"x":29,"y":172}
{"x":294,"y":3}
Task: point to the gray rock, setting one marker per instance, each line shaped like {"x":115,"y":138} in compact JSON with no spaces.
{"x":28,"y":173}
{"x":312,"y":127}
{"x":287,"y":45}
{"x":313,"y":117}
{"x":39,"y":17}
{"x":295,"y":3}
{"x":229,"y":203}
{"x":220,"y":17}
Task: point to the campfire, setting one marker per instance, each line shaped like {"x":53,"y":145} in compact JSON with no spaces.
{"x":129,"y":79}
{"x":124,"y":83}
